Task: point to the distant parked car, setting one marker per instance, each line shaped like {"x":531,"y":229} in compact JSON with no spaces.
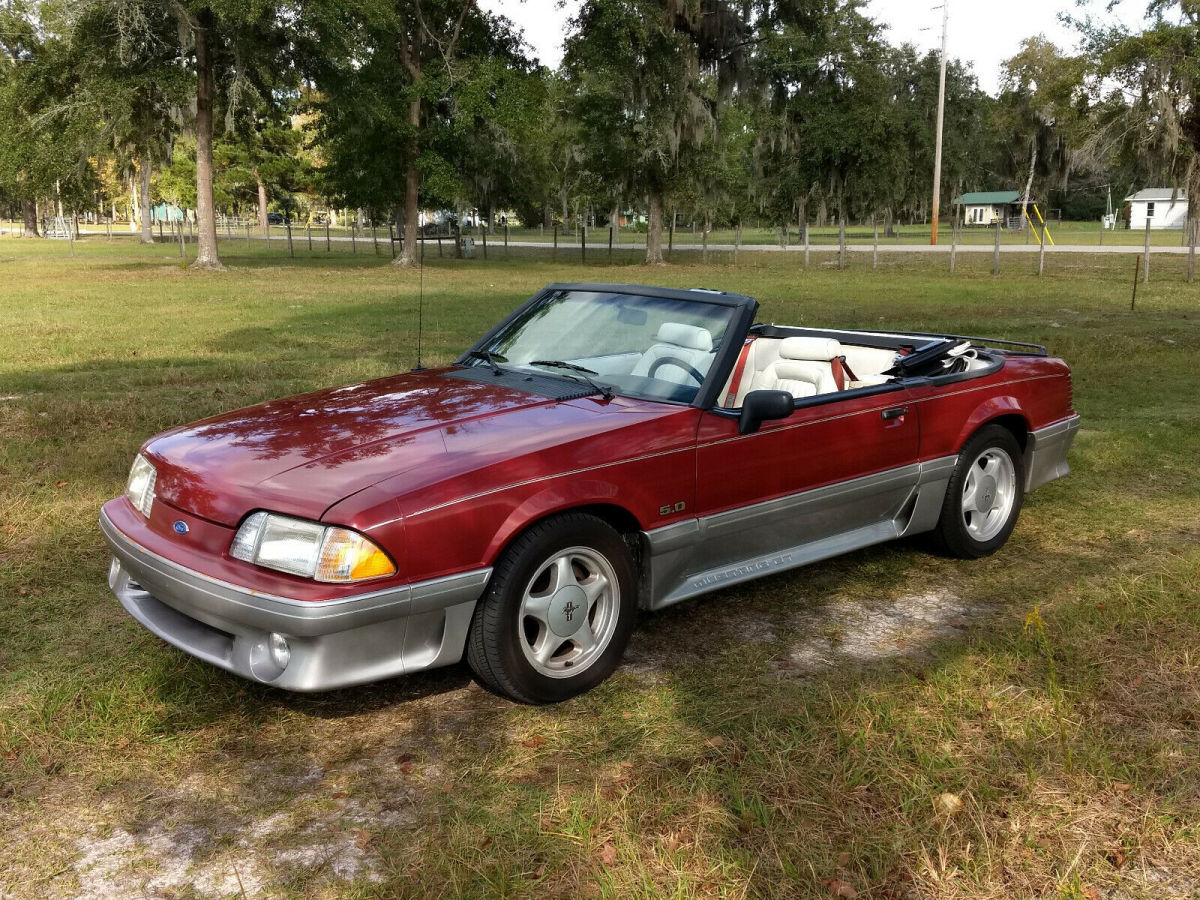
{"x":275,"y":218}
{"x":604,"y":449}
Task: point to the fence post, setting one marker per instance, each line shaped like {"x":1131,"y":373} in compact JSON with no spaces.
{"x":1137,"y":262}
{"x":247,"y":233}
{"x":1146,"y":267}
{"x":996,"y":253}
{"x":483,"y":234}
{"x":582,"y":245}
{"x":737,"y":243}
{"x":671,"y":234}
{"x":328,"y":247}
{"x":806,"y":244}
{"x":1042,"y":252}
{"x":953,"y":246}
{"x":556,"y":240}
{"x":875,"y":249}
{"x":610,"y":243}
{"x":308,"y":227}
{"x":180,"y":223}
{"x":291,"y":249}
{"x":1102,"y":231}
{"x":1192,"y":251}
{"x":841,"y":242}
{"x":268,"y":235}
{"x":354,"y":238}
{"x":108,"y":228}
{"x":375,"y":237}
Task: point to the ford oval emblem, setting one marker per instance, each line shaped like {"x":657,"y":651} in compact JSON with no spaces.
{"x":181,"y":527}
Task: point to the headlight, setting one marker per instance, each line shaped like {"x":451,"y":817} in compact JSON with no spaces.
{"x":309,"y":549}
{"x":140,"y":487}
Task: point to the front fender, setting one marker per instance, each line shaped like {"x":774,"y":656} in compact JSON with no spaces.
{"x":551,"y":498}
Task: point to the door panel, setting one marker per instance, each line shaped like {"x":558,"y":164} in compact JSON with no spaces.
{"x":826,"y":469}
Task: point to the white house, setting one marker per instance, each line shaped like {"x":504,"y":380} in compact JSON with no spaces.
{"x":1161,"y":207}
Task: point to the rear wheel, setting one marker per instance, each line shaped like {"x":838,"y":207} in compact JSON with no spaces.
{"x":557,"y":613}
{"x":984,"y":496}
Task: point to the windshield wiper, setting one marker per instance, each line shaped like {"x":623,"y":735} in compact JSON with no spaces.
{"x":490,"y":358}
{"x":605,"y":392}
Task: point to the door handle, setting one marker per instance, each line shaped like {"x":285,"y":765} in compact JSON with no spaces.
{"x":895,"y":412}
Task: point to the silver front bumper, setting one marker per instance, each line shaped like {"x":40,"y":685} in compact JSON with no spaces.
{"x":332,"y":643}
{"x":1046,"y":454}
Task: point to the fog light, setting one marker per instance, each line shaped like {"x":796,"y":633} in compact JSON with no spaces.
{"x":281,"y":653}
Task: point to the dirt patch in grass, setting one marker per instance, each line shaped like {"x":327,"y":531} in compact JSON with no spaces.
{"x":856,"y":632}
{"x":307,"y":819}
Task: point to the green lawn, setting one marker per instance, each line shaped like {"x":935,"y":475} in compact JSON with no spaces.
{"x":888,"y":724}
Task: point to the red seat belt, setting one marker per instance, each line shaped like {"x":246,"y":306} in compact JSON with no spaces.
{"x":842,"y":373}
{"x":837,"y":365}
{"x":738,"y":371}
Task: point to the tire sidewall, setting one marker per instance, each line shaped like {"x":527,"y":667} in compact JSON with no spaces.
{"x":951,"y":529}
{"x":512,"y":576}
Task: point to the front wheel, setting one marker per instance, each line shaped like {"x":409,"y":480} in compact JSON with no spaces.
{"x":558,"y":611}
{"x":984,"y":496}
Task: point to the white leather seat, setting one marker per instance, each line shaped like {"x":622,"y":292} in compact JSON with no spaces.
{"x":687,"y":343}
{"x":805,"y":368}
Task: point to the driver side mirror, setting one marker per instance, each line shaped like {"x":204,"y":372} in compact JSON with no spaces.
{"x":762,"y":406}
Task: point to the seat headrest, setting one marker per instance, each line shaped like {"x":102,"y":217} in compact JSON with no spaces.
{"x":689,"y":336}
{"x":810,"y":348}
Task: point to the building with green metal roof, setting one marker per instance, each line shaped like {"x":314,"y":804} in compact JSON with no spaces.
{"x":989,"y":208}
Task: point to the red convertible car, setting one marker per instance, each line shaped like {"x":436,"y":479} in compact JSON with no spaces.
{"x":604,"y":449}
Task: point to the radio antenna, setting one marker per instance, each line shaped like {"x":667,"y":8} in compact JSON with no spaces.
{"x":420,"y":301}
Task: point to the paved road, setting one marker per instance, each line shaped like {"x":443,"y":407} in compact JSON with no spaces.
{"x":857,"y":248}
{"x":300,"y":241}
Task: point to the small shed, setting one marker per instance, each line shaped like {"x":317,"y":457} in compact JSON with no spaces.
{"x":989,"y":208}
{"x":165,"y":212}
{"x":1161,"y":207}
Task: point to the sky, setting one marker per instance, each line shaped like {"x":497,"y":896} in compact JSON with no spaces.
{"x":982,"y":32}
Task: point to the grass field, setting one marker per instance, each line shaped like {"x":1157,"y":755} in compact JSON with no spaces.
{"x":888,"y":724}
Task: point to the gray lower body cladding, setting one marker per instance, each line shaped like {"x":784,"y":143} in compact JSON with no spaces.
{"x":691,"y":558}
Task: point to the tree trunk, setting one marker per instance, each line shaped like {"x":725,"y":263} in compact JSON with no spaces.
{"x":412,"y":184}
{"x":31,"y":223}
{"x":262,"y":199}
{"x":1033,"y":157}
{"x":207,"y":256}
{"x":144,"y":200}
{"x":1193,"y":190}
{"x":654,"y":229}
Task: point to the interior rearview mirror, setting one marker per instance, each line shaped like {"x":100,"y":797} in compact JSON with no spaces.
{"x":629,"y":315}
{"x":762,"y":406}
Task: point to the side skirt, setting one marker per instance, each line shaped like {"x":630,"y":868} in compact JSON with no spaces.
{"x":679,"y":547}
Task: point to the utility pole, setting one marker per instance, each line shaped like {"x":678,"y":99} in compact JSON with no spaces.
{"x":941,"y":117}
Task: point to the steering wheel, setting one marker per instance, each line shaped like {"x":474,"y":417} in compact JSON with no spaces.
{"x":690,"y":370}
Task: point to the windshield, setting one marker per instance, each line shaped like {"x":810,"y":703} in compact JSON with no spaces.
{"x":651,"y":347}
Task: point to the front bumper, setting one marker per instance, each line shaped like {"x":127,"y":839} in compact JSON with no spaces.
{"x":333,"y":643}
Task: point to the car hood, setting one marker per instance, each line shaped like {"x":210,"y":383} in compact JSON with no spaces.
{"x":303,"y":454}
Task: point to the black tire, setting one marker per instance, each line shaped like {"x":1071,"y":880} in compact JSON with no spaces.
{"x":956,"y":534}
{"x":503,"y":640}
